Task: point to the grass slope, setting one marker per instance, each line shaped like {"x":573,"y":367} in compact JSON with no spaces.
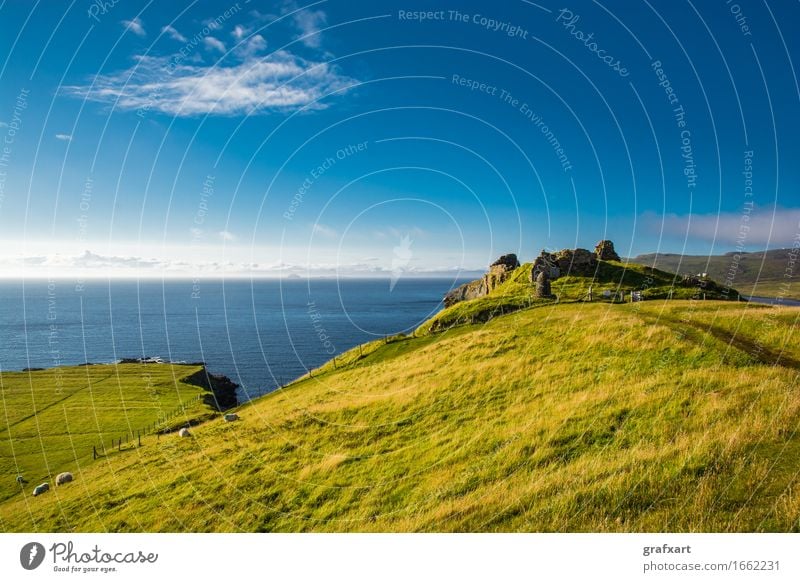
{"x":52,"y":418}
{"x":677,"y":416}
{"x":613,"y":277}
{"x":759,"y":273}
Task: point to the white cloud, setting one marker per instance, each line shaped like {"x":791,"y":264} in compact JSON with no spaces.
{"x":239,"y":32}
{"x":135,"y":26}
{"x":214,"y":43}
{"x":309,"y":23}
{"x":251,"y":46}
{"x":324,"y":231}
{"x":173,"y":33}
{"x":761,"y":226}
{"x":226,"y":235}
{"x":64,"y":136}
{"x":212,"y":261}
{"x":281,"y":81}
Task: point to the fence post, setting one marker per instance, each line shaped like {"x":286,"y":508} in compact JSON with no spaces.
{"x":119,"y":445}
{"x":138,"y":434}
{"x":94,"y":452}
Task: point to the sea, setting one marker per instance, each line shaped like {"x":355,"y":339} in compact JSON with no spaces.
{"x":259,"y":333}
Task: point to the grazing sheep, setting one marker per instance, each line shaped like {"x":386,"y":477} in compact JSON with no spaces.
{"x":62,"y":478}
{"x":41,"y":489}
{"x":21,"y":480}
{"x":230,"y":417}
{"x":184,"y":432}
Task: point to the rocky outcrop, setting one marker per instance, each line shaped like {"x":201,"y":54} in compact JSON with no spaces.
{"x":543,"y":285}
{"x":499,"y":271}
{"x":222,"y":390}
{"x":604,"y":250}
{"x":565,"y":262}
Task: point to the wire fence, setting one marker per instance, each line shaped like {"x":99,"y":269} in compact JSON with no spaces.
{"x":133,"y":438}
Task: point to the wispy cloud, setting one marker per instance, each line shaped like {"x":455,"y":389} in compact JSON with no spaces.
{"x":324,"y":231}
{"x":92,"y":264}
{"x":135,"y":26}
{"x":239,"y":32}
{"x":309,"y":23}
{"x":761,"y":226}
{"x":226,"y":235}
{"x":214,"y":44}
{"x":64,"y":136}
{"x":173,"y":33}
{"x":251,"y":47}
{"x":281,"y":81}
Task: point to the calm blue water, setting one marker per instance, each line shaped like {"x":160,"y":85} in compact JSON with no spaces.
{"x":258,"y":333}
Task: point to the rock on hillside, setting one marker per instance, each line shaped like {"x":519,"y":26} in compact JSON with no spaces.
{"x":604,"y":250}
{"x":499,"y":272}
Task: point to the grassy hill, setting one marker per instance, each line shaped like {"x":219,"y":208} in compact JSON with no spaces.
{"x":676,"y":416}
{"x":53,"y":418}
{"x":759,"y":273}
{"x":614,"y":278}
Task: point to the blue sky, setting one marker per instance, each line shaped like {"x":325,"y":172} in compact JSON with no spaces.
{"x":262,"y":137}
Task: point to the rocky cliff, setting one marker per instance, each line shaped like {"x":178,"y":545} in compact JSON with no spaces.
{"x":499,"y":272}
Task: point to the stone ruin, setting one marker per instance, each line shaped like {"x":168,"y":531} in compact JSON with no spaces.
{"x":564,"y":262}
{"x":543,"y":285}
{"x":499,"y":271}
{"x":604,"y":250}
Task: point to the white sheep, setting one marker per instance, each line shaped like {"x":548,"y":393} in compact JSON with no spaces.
{"x":184,"y":432}
{"x":63,"y":478}
{"x":41,"y":489}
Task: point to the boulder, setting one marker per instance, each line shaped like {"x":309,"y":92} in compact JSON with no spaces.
{"x":604,"y":250}
{"x":543,"y":285}
{"x":62,"y":478}
{"x":39,"y":489}
{"x":230,"y":417}
{"x":576,"y":262}
{"x":545,"y":262}
{"x":509,"y":262}
{"x":499,"y":271}
{"x":184,"y":432}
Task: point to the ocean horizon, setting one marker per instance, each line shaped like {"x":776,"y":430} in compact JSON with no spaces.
{"x":261,"y":333}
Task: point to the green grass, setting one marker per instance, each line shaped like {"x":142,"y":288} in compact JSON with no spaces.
{"x":615,"y":278}
{"x":51,"y":419}
{"x":568,"y":417}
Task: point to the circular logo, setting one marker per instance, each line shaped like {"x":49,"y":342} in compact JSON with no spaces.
{"x":31,"y":555}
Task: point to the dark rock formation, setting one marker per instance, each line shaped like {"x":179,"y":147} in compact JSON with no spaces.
{"x":545,"y":263}
{"x":605,"y":251}
{"x":543,"y":285}
{"x":499,"y":271}
{"x":576,"y":262}
{"x":222,"y":390}
{"x":509,"y":262}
